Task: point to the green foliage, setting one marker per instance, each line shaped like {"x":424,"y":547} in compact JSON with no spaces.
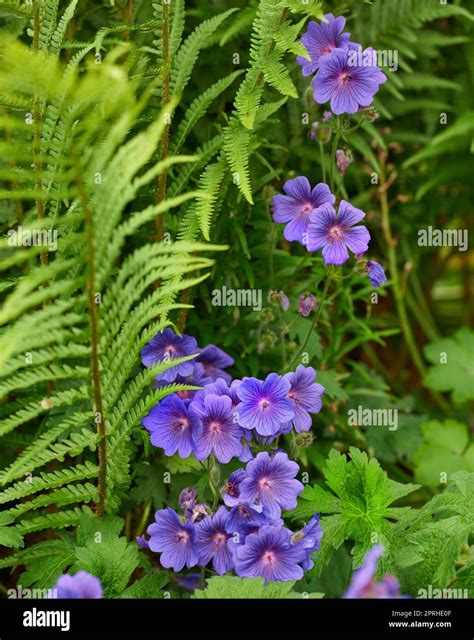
{"x":452,"y":365}
{"x":221,"y":587}
{"x":447,"y":448}
{"x":360,"y":504}
{"x":150,"y":586}
{"x":428,"y":542}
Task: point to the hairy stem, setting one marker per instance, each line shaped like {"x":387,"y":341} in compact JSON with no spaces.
{"x":94,"y":342}
{"x":398,"y":292}
{"x":163,"y":177}
{"x":40,"y":212}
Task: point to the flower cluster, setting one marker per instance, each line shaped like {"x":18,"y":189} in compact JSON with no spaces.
{"x":312,"y":221}
{"x":225,"y":416}
{"x":229,"y":419}
{"x":246,"y":534}
{"x":363,"y":583}
{"x":346,"y":75}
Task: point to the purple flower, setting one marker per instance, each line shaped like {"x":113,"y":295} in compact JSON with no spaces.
{"x":176,"y":541}
{"x":264,"y":405}
{"x":244,"y":519}
{"x":334,"y":234}
{"x":198,"y":378}
{"x":343,"y":160}
{"x":306,"y":304}
{"x":214,"y":360}
{"x":269,"y":554}
{"x":307,"y":395}
{"x":279,"y":299}
{"x":212,"y":542}
{"x":172,"y":426}
{"x":190,"y":582}
{"x":220,"y":434}
{"x":310,"y":538}
{"x":198,"y":512}
{"x":347,"y":85}
{"x":220,"y":388}
{"x":363,"y":585}
{"x":327,"y":115}
{"x":321,"y":39}
{"x":295,"y":207}
{"x":167,"y":345}
{"x":187,"y":500}
{"x":376,"y":273}
{"x":142,"y":542}
{"x":231,"y":490}
{"x":271,"y":482}
{"x":81,"y":585}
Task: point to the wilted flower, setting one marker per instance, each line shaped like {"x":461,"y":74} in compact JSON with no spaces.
{"x":279,"y":299}
{"x":376,"y":273}
{"x":343,"y":160}
{"x":306,"y":304}
{"x":187,"y":500}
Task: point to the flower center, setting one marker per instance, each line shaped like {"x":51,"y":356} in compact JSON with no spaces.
{"x":264,"y":403}
{"x":265,"y":483}
{"x":244,"y":511}
{"x":215,"y":427}
{"x":170,"y":350}
{"x":181,"y":424}
{"x":182,"y":536}
{"x":306,"y":208}
{"x":269,"y":557}
{"x":345,"y":77}
{"x":232,"y":489}
{"x":335,"y":233}
{"x":327,"y":49}
{"x":220,"y":539}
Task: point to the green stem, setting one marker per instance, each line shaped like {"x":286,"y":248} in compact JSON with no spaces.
{"x":144,"y":518}
{"x":163,"y":177}
{"x":323,"y":165}
{"x":333,"y":165}
{"x":397,"y":289}
{"x":313,"y":324}
{"x":94,"y":341}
